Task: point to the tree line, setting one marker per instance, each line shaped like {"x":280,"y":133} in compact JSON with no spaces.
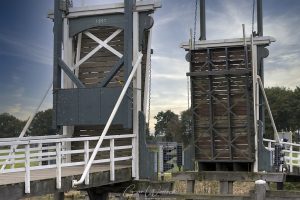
{"x":10,"y":126}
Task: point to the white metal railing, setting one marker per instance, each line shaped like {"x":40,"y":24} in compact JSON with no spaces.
{"x":291,"y":152}
{"x":32,"y":153}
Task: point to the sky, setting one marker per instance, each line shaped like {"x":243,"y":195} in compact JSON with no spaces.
{"x":26,"y":46}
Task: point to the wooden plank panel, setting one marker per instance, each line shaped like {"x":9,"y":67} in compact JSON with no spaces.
{"x":239,"y":118}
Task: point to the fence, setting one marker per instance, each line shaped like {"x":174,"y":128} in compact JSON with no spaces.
{"x":30,"y":154}
{"x":291,"y":152}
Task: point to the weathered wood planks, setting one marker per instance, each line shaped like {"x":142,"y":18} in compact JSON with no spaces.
{"x":221,"y":100}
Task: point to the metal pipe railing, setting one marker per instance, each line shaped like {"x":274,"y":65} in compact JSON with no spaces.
{"x":268,"y":108}
{"x":107,"y":126}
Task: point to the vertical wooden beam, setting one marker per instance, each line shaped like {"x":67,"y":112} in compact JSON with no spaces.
{"x":229,"y":107}
{"x":59,"y":196}
{"x":137,"y":95}
{"x":67,"y":82}
{"x":226,"y":187}
{"x":248,"y":102}
{"x":211,"y":109}
{"x":193,"y":151}
{"x":57,"y":53}
{"x":255,"y":102}
{"x":128,"y":49}
{"x":190,"y":186}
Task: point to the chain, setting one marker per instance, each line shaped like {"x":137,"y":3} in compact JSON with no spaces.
{"x":195,"y":23}
{"x":149,"y":98}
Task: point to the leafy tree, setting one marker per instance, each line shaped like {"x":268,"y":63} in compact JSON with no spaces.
{"x":42,"y":124}
{"x":167,"y":124}
{"x":186,"y":126}
{"x":10,"y":126}
{"x":285,"y":106}
{"x":281,"y":106}
{"x":173,"y":127}
{"x":296,"y":109}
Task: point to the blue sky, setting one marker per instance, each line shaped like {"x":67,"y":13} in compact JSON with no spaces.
{"x":26,"y":47}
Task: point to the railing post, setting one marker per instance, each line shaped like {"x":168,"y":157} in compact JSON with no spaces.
{"x":134,"y":157}
{"x":58,"y":165}
{"x":40,"y":151}
{"x":13,"y":160}
{"x":27,"y":168}
{"x":269,"y":145}
{"x":86,"y":160}
{"x":291,"y":158}
{"x":112,"y":160}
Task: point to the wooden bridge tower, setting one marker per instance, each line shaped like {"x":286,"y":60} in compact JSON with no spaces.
{"x":95,"y":51}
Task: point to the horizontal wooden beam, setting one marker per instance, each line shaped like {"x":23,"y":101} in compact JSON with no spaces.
{"x":141,"y":6}
{"x":265,"y":40}
{"x":220,"y":72}
{"x":229,"y":176}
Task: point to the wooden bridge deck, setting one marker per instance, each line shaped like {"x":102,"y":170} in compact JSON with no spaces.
{"x":44,"y":181}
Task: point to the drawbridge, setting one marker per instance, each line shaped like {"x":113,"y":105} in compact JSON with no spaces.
{"x":101,"y":67}
{"x":100,"y":88}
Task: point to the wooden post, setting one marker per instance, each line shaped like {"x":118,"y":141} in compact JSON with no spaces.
{"x":190,"y":186}
{"x":260,"y":190}
{"x":59,"y":196}
{"x":226,"y":187}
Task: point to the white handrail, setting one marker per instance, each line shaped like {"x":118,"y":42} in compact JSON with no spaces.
{"x":268,"y":108}
{"x":289,"y":153}
{"x":13,"y":139}
{"x":286,"y":143}
{"x":107,"y":126}
{"x":62,"y":139}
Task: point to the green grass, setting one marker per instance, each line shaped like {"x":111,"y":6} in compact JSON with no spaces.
{"x":18,"y":165}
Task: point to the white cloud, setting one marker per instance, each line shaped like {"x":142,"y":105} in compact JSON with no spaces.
{"x":18,"y":111}
{"x":283,"y":77}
